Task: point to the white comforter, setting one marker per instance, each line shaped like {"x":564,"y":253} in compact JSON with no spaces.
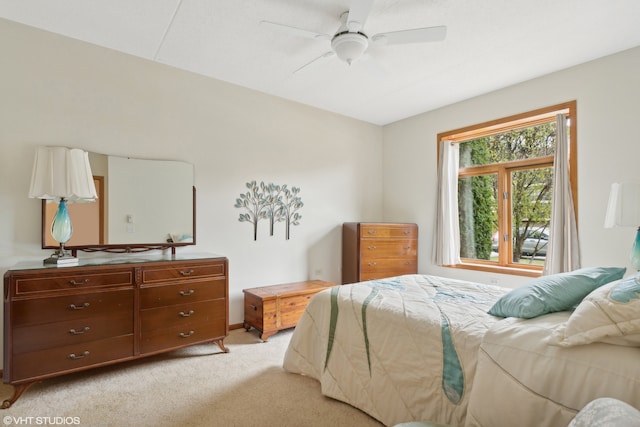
{"x":400,"y":349}
{"x":524,"y":380}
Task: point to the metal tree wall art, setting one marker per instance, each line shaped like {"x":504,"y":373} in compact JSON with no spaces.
{"x":277,"y":203}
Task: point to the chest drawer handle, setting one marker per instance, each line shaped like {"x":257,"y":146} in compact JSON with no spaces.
{"x":189,"y":314}
{"x":78,"y":282}
{"x":80,"y":332}
{"x":187,"y":335}
{"x":82,"y":307}
{"x":371,"y":231}
{"x":372,"y":264}
{"x":187,"y":293}
{"x":74,"y":356}
{"x":371,"y":248}
{"x":186,"y":272}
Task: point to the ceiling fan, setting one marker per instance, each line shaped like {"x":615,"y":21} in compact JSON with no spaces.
{"x":350,"y":41}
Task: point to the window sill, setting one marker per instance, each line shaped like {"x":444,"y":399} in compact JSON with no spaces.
{"x":516,"y":271}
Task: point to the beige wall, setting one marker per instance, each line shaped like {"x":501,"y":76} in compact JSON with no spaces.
{"x":607,"y":93}
{"x":58,"y":91}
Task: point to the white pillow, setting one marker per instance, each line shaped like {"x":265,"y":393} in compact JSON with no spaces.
{"x":609,"y":314}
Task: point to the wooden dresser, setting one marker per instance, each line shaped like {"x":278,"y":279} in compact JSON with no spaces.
{"x":59,"y":320}
{"x":377,"y":250}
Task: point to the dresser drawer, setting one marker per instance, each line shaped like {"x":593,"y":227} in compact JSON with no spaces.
{"x":59,"y":334}
{"x":379,"y":268}
{"x":388,"y":231}
{"x":180,"y":336}
{"x":72,"y":357}
{"x":186,"y":271}
{"x":388,"y":248}
{"x":183,"y":292}
{"x":182,"y":315}
{"x":70,"y":307}
{"x":72,"y":282}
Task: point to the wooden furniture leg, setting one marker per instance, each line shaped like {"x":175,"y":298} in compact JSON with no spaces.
{"x":18,"y":389}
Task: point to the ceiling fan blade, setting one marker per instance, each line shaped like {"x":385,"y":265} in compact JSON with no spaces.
{"x":296,"y":31}
{"x":358,"y":13}
{"x":418,"y":35}
{"x":323,"y":56}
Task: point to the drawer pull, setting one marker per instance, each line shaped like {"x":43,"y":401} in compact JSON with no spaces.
{"x":372,"y":264}
{"x":80,"y":332}
{"x":189,"y":314}
{"x":407,"y":263}
{"x":187,"y":293}
{"x":78,"y":282}
{"x":82,"y":307}
{"x":187,"y":272}
{"x":371,"y":231}
{"x":187,"y":335}
{"x":372,"y":248}
{"x":74,"y":356}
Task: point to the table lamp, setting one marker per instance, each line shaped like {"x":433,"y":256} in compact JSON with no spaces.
{"x":64,"y":175}
{"x":624,"y":211}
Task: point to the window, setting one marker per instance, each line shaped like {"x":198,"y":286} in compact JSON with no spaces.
{"x":505,"y":189}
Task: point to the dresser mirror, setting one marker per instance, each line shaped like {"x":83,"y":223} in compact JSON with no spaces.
{"x":142,"y":205}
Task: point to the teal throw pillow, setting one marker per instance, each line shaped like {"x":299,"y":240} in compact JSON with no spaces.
{"x":557,"y":292}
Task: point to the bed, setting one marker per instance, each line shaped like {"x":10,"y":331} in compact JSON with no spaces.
{"x":425,"y":348}
{"x":518,"y":362}
{"x":400,"y":349}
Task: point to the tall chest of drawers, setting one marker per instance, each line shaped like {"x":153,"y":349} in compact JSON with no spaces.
{"x":59,"y":320}
{"x":377,"y":250}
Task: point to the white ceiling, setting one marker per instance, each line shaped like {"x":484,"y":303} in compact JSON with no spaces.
{"x":490,"y":44}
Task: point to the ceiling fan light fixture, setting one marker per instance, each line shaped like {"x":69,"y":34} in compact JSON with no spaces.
{"x":349,"y":46}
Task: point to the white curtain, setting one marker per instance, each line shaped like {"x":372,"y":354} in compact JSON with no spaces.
{"x":563,"y":251}
{"x":447,"y":250}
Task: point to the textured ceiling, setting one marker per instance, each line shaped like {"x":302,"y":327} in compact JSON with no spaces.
{"x":490,"y":44}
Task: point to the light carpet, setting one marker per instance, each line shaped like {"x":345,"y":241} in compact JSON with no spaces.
{"x":195,"y":386}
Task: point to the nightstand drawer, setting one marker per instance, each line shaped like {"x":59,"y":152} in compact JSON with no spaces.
{"x":181,"y":293}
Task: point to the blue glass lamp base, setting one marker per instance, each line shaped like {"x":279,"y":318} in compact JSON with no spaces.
{"x":61,"y":231}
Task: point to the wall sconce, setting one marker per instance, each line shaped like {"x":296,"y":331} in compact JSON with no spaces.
{"x":624,"y":211}
{"x":62,"y":174}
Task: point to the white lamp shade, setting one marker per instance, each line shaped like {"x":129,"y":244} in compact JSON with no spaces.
{"x":624,"y":205}
{"x":62,"y":173}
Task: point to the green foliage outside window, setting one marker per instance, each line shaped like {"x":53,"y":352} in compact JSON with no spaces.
{"x":530,"y":188}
